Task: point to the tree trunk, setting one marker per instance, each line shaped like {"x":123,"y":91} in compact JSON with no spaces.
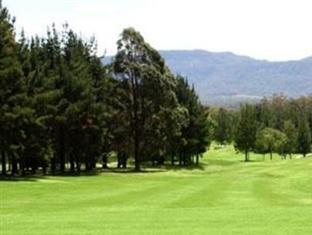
{"x":3,"y":163}
{"x":88,"y":166}
{"x":62,"y":156}
{"x":33,"y":170}
{"x":44,"y":169}
{"x":93,"y":165}
{"x":125,"y":163}
{"x":180,"y":159}
{"x":271,"y":155}
{"x":14,"y":165}
{"x":136,"y":153}
{"x":104,"y":161}
{"x":246,"y":156}
{"x":78,"y":165}
{"x":197,"y":160}
{"x":72,"y":163}
{"x":53,"y":165}
{"x":172,"y":160}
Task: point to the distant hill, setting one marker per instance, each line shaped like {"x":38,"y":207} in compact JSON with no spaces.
{"x":225,"y":78}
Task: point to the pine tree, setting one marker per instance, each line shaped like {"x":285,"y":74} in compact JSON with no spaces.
{"x":223,"y":129}
{"x":195,"y":137}
{"x":36,"y":146}
{"x":245,"y":135}
{"x":304,"y":136}
{"x":11,"y":90}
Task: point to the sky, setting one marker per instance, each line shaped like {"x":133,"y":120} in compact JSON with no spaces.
{"x":275,"y":30}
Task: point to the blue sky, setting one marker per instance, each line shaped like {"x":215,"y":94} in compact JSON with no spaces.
{"x":264,"y":29}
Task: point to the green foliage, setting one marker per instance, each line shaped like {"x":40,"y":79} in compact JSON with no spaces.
{"x":245,"y":136}
{"x":11,"y":91}
{"x":304,"y":137}
{"x":223,"y":131}
{"x":270,"y":140}
{"x":59,"y":106}
{"x":145,"y":95}
{"x":292,"y":137}
{"x":196,"y":132}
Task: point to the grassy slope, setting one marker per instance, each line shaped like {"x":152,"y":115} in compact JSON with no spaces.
{"x":226,"y":196}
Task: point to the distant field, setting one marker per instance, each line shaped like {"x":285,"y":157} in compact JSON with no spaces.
{"x":223,"y":196}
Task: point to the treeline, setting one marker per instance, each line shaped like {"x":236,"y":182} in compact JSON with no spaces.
{"x":62,"y":110}
{"x":275,"y":125}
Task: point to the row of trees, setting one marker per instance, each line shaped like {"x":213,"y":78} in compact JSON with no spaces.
{"x":62,"y":109}
{"x":277,"y":124}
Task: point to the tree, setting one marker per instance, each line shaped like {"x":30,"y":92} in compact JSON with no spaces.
{"x":146,"y":96}
{"x":292,"y":137}
{"x":270,"y":140}
{"x":11,"y":90}
{"x":245,"y":135}
{"x":196,"y":131}
{"x":35,"y":147}
{"x":304,"y":136}
{"x":223,"y":129}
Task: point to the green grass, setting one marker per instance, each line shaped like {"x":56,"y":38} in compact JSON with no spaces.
{"x":223,"y":196}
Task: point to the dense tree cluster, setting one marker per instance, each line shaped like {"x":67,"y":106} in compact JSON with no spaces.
{"x":275,"y":125}
{"x":62,"y":110}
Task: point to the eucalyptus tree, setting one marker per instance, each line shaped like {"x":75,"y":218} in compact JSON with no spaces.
{"x":270,"y":140}
{"x":146,"y":95}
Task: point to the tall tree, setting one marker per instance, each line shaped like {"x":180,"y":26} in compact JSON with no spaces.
{"x":304,"y":136}
{"x":11,"y":89}
{"x":270,"y":140}
{"x":223,"y":129}
{"x":196,"y":132}
{"x":245,"y":135}
{"x":146,"y":93}
{"x":292,"y":137}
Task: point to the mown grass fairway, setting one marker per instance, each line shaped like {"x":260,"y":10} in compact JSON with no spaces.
{"x":225,"y":196}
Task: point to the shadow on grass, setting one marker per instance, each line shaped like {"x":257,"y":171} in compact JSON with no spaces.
{"x":271,"y":176}
{"x":38,"y":176}
{"x":30,"y":178}
{"x":223,"y":163}
{"x":146,"y":169}
{"x":201,"y":166}
{"x":252,"y":161}
{"x":131,"y":171}
{"x":149,"y":168}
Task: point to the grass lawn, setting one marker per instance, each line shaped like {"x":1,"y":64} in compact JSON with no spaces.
{"x":223,"y":196}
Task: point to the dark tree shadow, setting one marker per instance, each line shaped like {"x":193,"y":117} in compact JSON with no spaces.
{"x":30,"y":178}
{"x":200,"y":166}
{"x":131,"y":171}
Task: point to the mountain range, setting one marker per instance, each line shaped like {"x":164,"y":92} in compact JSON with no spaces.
{"x":225,"y":78}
